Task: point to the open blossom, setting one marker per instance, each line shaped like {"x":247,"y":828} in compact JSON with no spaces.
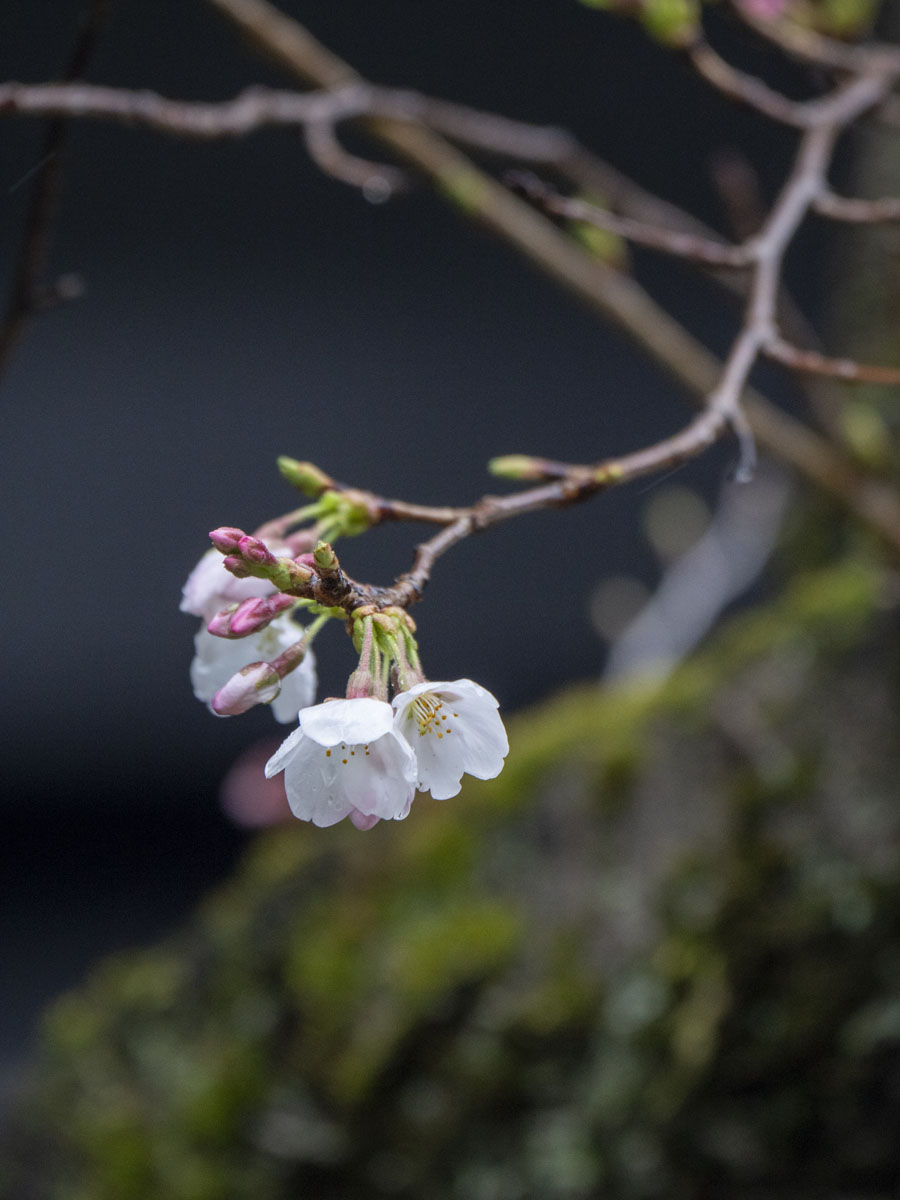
{"x":217,"y":660}
{"x":454,"y":729}
{"x":345,"y":760}
{"x":211,"y":586}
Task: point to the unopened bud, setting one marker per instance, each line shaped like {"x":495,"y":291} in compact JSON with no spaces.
{"x":289,"y":576}
{"x":255,"y":614}
{"x":401,"y":616}
{"x":257,"y":683}
{"x":220,"y":625}
{"x":517,"y":466}
{"x":305,"y":477}
{"x":254,"y":550}
{"x":325,"y":559}
{"x":250,"y":616}
{"x":226,"y":538}
{"x":236,"y":566}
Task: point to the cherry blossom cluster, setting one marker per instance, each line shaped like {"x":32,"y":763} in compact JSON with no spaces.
{"x":362,"y":756}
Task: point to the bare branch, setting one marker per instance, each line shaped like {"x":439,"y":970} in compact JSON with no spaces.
{"x":801,"y":114}
{"x":401,"y":120}
{"x":857,"y":212}
{"x":836,"y":368}
{"x":810,"y":46}
{"x":616,"y":296}
{"x":377,"y":181}
{"x":252,"y":109}
{"x":747,"y":89}
{"x":684,"y":245}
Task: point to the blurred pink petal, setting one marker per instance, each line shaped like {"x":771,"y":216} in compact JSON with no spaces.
{"x":247,"y":797}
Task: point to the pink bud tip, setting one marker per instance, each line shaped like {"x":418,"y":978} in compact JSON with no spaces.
{"x":306,"y":560}
{"x":256,"y":614}
{"x":362,"y":820}
{"x":254,"y":550}
{"x":226,"y":538}
{"x":220,"y":625}
{"x":257,"y":683}
{"x":236,"y":566}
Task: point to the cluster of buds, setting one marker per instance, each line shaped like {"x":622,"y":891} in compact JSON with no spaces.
{"x":364,"y":755}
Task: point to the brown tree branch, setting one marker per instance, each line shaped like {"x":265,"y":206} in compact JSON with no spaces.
{"x":809,"y":46}
{"x":835,"y":368}
{"x":253,"y":109}
{"x":397,"y":119}
{"x":878,"y":76}
{"x":691,"y":246}
{"x":857,"y":212}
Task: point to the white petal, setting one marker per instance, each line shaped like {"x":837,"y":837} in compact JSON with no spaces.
{"x":217,"y":659}
{"x":297,"y":691}
{"x":324,"y":784}
{"x":454,"y":729}
{"x":351,"y":721}
{"x":440,"y":768}
{"x":285,"y":753}
{"x":384,"y":780}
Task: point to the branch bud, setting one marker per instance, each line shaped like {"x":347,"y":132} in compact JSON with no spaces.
{"x":326,"y":560}
{"x":305,"y":477}
{"x":517,"y":466}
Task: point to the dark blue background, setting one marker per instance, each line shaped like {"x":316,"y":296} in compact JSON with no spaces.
{"x":240,"y":306}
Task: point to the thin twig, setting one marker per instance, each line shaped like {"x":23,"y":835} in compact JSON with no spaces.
{"x":252,"y":109}
{"x":801,"y":114}
{"x":615,"y":295}
{"x":809,"y":46}
{"x":738,"y":85}
{"x":835,"y":368}
{"x":857,"y":212}
{"x":671,"y":241}
{"x":399,"y":120}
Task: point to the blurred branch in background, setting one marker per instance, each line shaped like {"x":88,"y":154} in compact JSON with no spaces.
{"x":702,"y":582}
{"x":422,"y":132}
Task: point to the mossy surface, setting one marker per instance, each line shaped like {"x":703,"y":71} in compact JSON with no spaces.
{"x":659,"y":956}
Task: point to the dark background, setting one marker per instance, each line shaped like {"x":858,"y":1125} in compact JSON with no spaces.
{"x":239,"y":306}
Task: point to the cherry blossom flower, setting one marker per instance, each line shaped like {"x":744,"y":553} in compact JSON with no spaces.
{"x":211,"y":586}
{"x":454,"y":729}
{"x":217,"y":660}
{"x":345,"y":760}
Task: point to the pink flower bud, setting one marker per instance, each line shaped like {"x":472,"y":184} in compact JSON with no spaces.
{"x":257,"y":683}
{"x":226,"y":538}
{"x":220,"y":625}
{"x":236,"y":566}
{"x":256,"y":614}
{"x":254,"y":550}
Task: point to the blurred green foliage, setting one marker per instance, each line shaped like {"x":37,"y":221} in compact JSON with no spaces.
{"x":658,"y":957}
